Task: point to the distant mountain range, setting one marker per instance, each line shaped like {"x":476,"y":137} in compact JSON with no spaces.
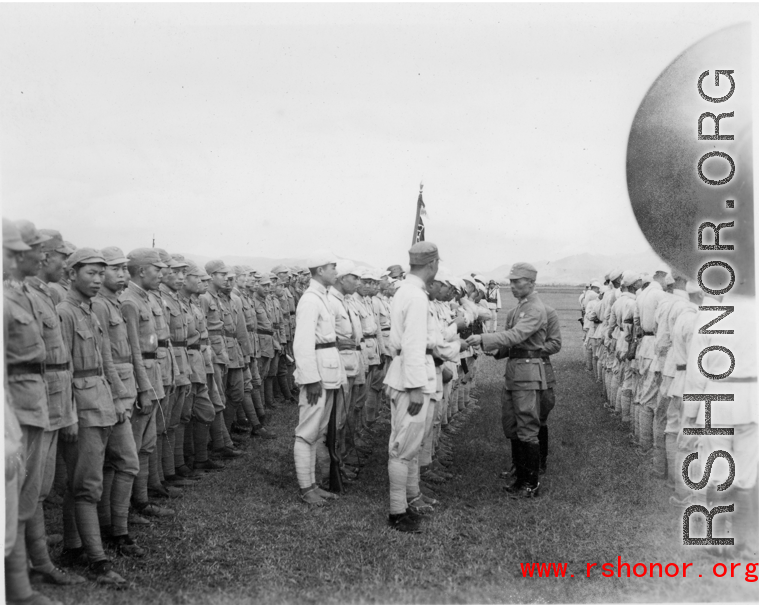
{"x":259,"y":263}
{"x":572,"y":270}
{"x":581,"y":268}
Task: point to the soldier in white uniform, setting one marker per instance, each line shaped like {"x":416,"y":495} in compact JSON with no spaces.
{"x":319,"y":371}
{"x":411,"y":381}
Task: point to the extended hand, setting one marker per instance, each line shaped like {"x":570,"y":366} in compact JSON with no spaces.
{"x":474,"y":340}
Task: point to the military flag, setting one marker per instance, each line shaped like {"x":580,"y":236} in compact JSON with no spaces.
{"x":421,"y":213}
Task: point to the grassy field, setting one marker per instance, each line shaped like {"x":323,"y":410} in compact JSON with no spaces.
{"x":242,"y":536}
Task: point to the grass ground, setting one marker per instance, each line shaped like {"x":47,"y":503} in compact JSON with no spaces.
{"x":242,"y":536}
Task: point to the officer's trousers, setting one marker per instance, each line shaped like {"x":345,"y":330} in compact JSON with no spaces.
{"x":521,"y":415}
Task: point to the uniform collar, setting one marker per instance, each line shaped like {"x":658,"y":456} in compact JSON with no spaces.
{"x":337,"y":294}
{"x":682,"y":294}
{"x":36,"y":283}
{"x":108,"y":295}
{"x":166,"y":290}
{"x":138,"y":289}
{"x":318,"y":288}
{"x":74,"y":297}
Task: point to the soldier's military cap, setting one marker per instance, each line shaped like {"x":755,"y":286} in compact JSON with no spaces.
{"x":305,"y":271}
{"x":281,"y":269}
{"x":395,"y":271}
{"x":645,"y":278}
{"x":12,"y":239}
{"x":69,"y":245}
{"x":86,"y":256}
{"x":519,"y":270}
{"x":264,"y":279}
{"x":30,"y":234}
{"x":113,"y":256}
{"x":216,"y":266}
{"x":193,"y":269}
{"x":347,"y":267}
{"x":176,"y":261}
{"x":169,"y":260}
{"x":55,"y":243}
{"x":320,"y":259}
{"x":629,"y":278}
{"x":238,"y":270}
{"x":142,"y":257}
{"x":422,"y":253}
{"x":256,"y":274}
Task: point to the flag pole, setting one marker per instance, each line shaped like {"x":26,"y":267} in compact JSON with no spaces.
{"x":418,"y":213}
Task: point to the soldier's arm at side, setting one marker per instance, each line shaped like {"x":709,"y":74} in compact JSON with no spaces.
{"x":552,"y":343}
{"x":132,"y":320}
{"x":112,"y":376}
{"x":304,"y":345}
{"x":414,"y":344}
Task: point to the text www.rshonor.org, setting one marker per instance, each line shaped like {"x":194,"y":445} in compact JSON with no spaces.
{"x":640,"y":570}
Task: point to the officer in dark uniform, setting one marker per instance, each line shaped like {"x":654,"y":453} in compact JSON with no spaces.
{"x":525,"y":377}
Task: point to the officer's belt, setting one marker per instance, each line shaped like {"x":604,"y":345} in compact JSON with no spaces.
{"x":385,"y":329}
{"x":649,"y":333}
{"x":57,"y":367}
{"x":215,"y":332}
{"x":119,"y":360}
{"x":194,"y":346}
{"x":264,"y":331}
{"x":524,"y":354}
{"x":545,"y":358}
{"x":151,"y":355}
{"x":627,"y":321}
{"x":88,"y":373}
{"x":163,"y":344}
{"x":178,"y":343}
{"x":292,"y":312}
{"x":680,"y":367}
{"x":230,"y":334}
{"x":325,"y":345}
{"x":26,"y":368}
{"x":370,"y":336}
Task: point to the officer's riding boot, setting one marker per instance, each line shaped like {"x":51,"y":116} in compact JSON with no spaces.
{"x":543,"y":441}
{"x":258,"y":402}
{"x":517,"y":478}
{"x":531,"y":462}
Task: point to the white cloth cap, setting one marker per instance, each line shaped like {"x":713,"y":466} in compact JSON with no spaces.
{"x":668,"y":279}
{"x":645,"y":278}
{"x":629,"y":278}
{"x":320,"y":258}
{"x":615,"y":274}
{"x":347,"y":267}
{"x":595,"y":284}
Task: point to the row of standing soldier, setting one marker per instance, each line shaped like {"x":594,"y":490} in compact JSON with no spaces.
{"x":646,"y":345}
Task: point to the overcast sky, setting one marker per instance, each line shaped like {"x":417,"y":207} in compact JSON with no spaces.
{"x":271,"y":130}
